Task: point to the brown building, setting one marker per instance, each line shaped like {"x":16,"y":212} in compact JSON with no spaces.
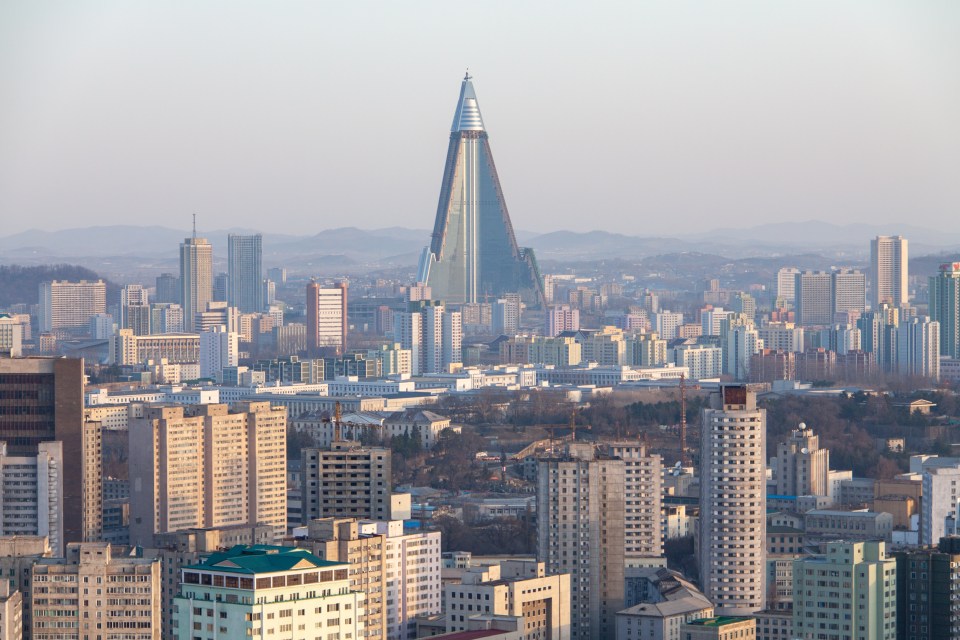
{"x":769,"y":365}
{"x":41,"y":399}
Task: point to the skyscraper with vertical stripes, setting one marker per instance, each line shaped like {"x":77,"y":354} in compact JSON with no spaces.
{"x":473,"y":254}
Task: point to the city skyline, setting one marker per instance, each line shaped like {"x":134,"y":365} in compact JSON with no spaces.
{"x":731,"y":117}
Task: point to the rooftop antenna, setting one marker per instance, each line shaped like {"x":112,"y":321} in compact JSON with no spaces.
{"x":573,"y":425}
{"x":194,"y":226}
{"x":467,"y":75}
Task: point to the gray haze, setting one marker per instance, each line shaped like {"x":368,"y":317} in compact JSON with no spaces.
{"x":636,"y":117}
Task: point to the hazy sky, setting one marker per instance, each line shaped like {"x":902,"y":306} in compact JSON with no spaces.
{"x":637,"y":117}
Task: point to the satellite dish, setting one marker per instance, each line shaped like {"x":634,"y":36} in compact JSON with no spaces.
{"x":804,"y":450}
{"x":803,"y":425}
{"x":677,"y":465}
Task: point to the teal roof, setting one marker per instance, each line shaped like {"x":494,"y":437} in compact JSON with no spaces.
{"x":718,"y":621}
{"x":262,"y":558}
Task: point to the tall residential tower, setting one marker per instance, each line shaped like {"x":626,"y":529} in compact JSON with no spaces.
{"x":888,"y":268}
{"x":245,"y":272}
{"x":196,"y":277}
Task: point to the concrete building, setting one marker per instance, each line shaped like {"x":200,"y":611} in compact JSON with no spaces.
{"x":245,"y":272}
{"x":938,"y":507}
{"x":95,"y":592}
{"x":505,"y":315}
{"x":786,"y":284}
{"x":327,"y":317}
{"x":643,"y":495}
{"x":11,"y":612}
{"x":581,"y":524}
{"x":347,"y":480}
{"x":782,"y":336}
{"x":945,"y":307}
{"x":848,"y":525}
{"x":11,"y":336}
{"x":31,"y":500}
{"x":432,"y":334}
{"x":719,"y":628}
{"x":167,"y":289}
{"x":732,"y":528}
{"x":558,"y":351}
{"x":710,"y":319}
{"x":207,"y":466}
{"x":66,"y":307}
{"x":918,"y":348}
{"x":801,"y":465}
{"x":667,"y":324}
{"x":196,"y":278}
{"x":740,"y":341}
{"x":265,"y":591}
{"x":848,"y":592}
{"x":849,"y":292}
{"x":516,"y":588}
{"x":659,"y":602}
{"x":889,"y":271}
{"x":813,"y":292}
{"x":928,"y":587}
{"x":175,"y":348}
{"x":50,"y":392}
{"x":219,"y":349}
{"x":560,"y":318}
{"x":701,"y":360}
{"x":138,"y":318}
{"x":340,"y":540}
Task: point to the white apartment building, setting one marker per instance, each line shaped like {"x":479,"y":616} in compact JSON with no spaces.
{"x":68,"y":306}
{"x":667,"y":324}
{"x":219,"y":348}
{"x":733,"y":501}
{"x":31,"y":494}
{"x":786,"y":283}
{"x":11,"y":336}
{"x":889,"y":265}
{"x":938,"y":509}
{"x":267,"y":592}
{"x":701,"y":360}
{"x":782,"y":336}
{"x":802,"y":467}
{"x":413,"y":575}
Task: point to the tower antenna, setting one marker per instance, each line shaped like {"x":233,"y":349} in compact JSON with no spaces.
{"x":194,"y":226}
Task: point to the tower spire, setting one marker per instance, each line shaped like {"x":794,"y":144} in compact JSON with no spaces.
{"x":194,"y":226}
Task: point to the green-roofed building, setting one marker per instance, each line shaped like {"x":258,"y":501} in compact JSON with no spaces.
{"x":262,"y":590}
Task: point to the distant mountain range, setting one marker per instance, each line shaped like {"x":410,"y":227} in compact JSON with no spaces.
{"x":155,"y":247}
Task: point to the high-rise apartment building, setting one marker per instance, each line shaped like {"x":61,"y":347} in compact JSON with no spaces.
{"x":11,"y":336}
{"x":786,"y":284}
{"x":928,"y":587}
{"x":740,"y":341}
{"x":432,"y":333}
{"x":196,"y":278}
{"x":11,"y":612}
{"x":327,"y":317}
{"x":802,"y":466}
{"x":135,"y":309}
{"x":340,"y":540}
{"x":710,"y":320}
{"x":93,"y":592}
{"x":939,"y":506}
{"x":346,"y":481}
{"x":506,"y":315}
{"x":31,"y":494}
{"x":643,"y":496}
{"x":945,"y":307}
{"x":219,"y":348}
{"x":849,"y":292}
{"x":667,"y":324}
{"x":560,"y":318}
{"x":732,"y":540}
{"x":48,"y":394}
{"x":245,"y":272}
{"x":473,"y":252}
{"x":848,"y":592}
{"x":918,"y":348}
{"x":167,"y":289}
{"x":207,"y":466}
{"x":813,"y":291}
{"x":581,"y":524}
{"x":265,"y":591}
{"x":68,"y":306}
{"x":889,"y":262}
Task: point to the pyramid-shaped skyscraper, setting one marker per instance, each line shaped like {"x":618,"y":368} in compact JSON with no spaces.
{"x":473,"y":254}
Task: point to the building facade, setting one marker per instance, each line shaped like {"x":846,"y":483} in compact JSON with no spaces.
{"x":196,"y":278}
{"x":889,"y":271}
{"x":245,"y":272}
{"x":732,"y":529}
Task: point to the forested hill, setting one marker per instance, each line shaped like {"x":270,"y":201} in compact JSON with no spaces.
{"x":20,"y":284}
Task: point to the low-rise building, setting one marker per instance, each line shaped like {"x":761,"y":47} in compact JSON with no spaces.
{"x":848,"y":525}
{"x":659,"y":602}
{"x":719,"y":628}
